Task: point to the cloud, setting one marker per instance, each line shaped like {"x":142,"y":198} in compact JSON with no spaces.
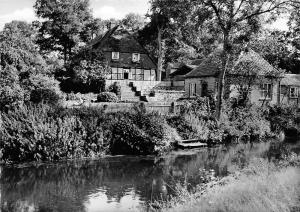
{"x":25,"y":14}
{"x":107,"y":12}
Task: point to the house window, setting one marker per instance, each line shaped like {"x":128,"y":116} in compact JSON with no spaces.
{"x":294,"y":92}
{"x":136,"y":57}
{"x":266,"y":91}
{"x":115,"y":55}
{"x":192,"y":89}
{"x":138,"y":74}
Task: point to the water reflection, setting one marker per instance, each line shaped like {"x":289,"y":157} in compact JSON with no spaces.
{"x":113,"y":183}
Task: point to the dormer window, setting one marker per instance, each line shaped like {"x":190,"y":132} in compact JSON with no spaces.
{"x":136,"y":57}
{"x":115,"y":55}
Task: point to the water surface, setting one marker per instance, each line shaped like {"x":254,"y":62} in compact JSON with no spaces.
{"x":120,"y":183}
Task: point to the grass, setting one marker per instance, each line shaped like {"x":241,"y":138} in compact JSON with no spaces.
{"x":261,"y":187}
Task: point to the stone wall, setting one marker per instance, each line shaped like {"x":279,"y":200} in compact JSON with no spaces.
{"x":211,"y":83}
{"x":166,"y":96}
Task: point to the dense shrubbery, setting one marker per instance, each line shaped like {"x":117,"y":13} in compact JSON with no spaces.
{"x":40,"y":133}
{"x":245,"y":123}
{"x":142,"y":133}
{"x":115,"y":88}
{"x":282,"y":118}
{"x":107,"y":97}
{"x":44,"y":95}
{"x":196,"y":121}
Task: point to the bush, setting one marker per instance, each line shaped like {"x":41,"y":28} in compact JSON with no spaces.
{"x":39,"y":133}
{"x":11,"y":97}
{"x":282,"y":117}
{"x":142,"y":133}
{"x":115,"y":88}
{"x":47,"y":133}
{"x":200,"y":106}
{"x":107,"y":97}
{"x":245,"y":123}
{"x":189,"y":126}
{"x":47,"y":96}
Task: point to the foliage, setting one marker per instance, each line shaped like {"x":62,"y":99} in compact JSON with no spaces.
{"x":281,"y":117}
{"x":11,"y":93}
{"x":46,"y":96}
{"x":259,"y":187}
{"x":107,"y":97}
{"x":200,"y":106}
{"x":189,"y":126}
{"x":43,"y":133}
{"x":272,"y":48}
{"x":115,"y":88}
{"x":143,"y":133}
{"x":247,"y":123}
{"x":292,"y":38}
{"x":18,"y":49}
{"x":29,"y":134}
{"x":133,"y":22}
{"x":63,"y":24}
{"x":11,"y":97}
{"x":91,"y":74}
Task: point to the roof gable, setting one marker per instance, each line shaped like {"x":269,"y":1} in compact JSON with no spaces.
{"x":291,"y":79}
{"x":251,"y":63}
{"x":210,"y":66}
{"x":118,"y":41}
{"x":248,"y":63}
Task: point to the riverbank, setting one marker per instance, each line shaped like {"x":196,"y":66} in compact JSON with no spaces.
{"x":47,"y":133}
{"x":261,"y":186}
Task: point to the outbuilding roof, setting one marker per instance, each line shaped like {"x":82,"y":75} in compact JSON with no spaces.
{"x":248,"y":63}
{"x":291,"y":79}
{"x":210,"y":66}
{"x":118,"y":41}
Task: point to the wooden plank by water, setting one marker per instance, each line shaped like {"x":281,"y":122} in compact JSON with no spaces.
{"x":191,"y":144}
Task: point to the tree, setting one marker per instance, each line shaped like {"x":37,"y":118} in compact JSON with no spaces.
{"x":133,"y":22}
{"x":293,"y":39}
{"x":11,"y":93}
{"x":63,"y":26}
{"x":17,"y":47}
{"x":230,"y":18}
{"x":94,"y":28}
{"x":182,"y":39}
{"x":22,"y":68}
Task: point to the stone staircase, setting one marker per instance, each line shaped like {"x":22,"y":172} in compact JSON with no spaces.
{"x":146,"y":92}
{"x":129,"y":94}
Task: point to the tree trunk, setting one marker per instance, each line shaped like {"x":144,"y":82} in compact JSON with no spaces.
{"x":225,"y":61}
{"x":160,"y":53}
{"x":65,"y":55}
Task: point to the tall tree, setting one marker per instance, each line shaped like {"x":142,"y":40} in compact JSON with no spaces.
{"x":230,"y":18}
{"x":63,"y":26}
{"x":17,"y":47}
{"x":133,"y":22}
{"x":293,"y":38}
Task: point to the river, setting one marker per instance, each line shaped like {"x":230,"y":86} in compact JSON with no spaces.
{"x":118,"y":183}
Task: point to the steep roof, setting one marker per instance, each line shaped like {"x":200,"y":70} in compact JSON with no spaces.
{"x":183,"y":70}
{"x":118,"y":41}
{"x":291,"y":79}
{"x":248,"y":63}
{"x":251,"y":63}
{"x":210,"y":66}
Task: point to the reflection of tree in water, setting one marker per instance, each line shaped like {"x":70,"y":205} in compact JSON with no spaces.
{"x":67,"y":186}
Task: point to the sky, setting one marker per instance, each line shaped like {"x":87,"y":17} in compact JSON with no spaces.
{"x":105,"y":9}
